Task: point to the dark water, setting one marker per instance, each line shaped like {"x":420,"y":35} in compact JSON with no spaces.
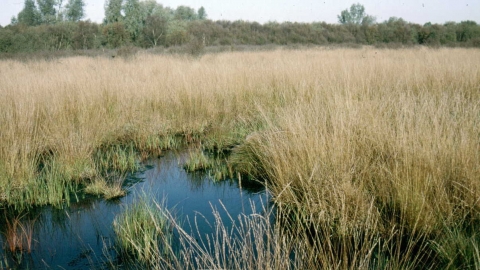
{"x":82,"y":237}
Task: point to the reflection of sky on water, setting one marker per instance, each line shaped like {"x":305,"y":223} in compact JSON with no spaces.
{"x":81,"y":237}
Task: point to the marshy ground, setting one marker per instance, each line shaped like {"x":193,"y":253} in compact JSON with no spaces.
{"x":372,"y":156}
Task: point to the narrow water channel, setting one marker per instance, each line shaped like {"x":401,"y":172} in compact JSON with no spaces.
{"x":82,"y":237}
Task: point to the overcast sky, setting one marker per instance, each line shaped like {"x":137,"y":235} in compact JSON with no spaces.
{"x":435,"y":11}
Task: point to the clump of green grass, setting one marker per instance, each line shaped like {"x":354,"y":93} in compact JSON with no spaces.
{"x":99,"y":186}
{"x":117,"y":158}
{"x":221,"y":170}
{"x":143,"y":231}
{"x":222,"y":138}
{"x":197,"y":161}
{"x":54,"y":185}
{"x":457,"y":248}
{"x":215,"y":165}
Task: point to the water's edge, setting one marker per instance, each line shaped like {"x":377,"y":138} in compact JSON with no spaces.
{"x":81,"y":236}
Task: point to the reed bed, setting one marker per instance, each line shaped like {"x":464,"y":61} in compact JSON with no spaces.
{"x":374,"y":155}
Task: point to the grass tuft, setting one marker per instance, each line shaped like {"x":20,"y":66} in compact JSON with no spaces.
{"x":142,"y":231}
{"x":99,"y":186}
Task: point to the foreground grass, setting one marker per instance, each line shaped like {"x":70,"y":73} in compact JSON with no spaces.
{"x":374,"y":155}
{"x":143,"y":231}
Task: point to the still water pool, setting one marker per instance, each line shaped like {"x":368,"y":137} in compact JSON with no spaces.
{"x":81,"y":236}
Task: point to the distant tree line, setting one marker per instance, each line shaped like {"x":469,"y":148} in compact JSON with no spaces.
{"x":46,"y":25}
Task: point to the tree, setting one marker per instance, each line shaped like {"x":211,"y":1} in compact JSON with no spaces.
{"x":155,"y":30}
{"x":60,"y":10}
{"x":115,"y":35}
{"x":176,"y":33}
{"x":29,"y":14}
{"x":467,"y":30}
{"x":368,"y":20}
{"x":58,"y":36}
{"x":75,"y":12}
{"x":6,"y":38}
{"x":356,"y":15}
{"x":13,"y":20}
{"x":148,"y":7}
{"x":47,"y":11}
{"x":450,"y":33}
{"x":85,"y":35}
{"x":164,"y":12}
{"x":113,"y":11}
{"x":155,"y":19}
{"x":152,"y":8}
{"x":185,"y":13}
{"x":396,"y":30}
{"x":202,"y":14}
{"x":133,"y":18}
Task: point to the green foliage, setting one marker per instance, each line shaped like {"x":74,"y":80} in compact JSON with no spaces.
{"x":113,"y":11}
{"x":429,"y":35}
{"x":156,"y":19}
{"x":29,"y":14}
{"x":13,"y":20}
{"x":185,"y":13}
{"x":116,"y":158}
{"x":450,"y":32}
{"x":47,"y":11}
{"x":356,"y":15}
{"x":148,"y":7}
{"x":143,"y":231}
{"x":396,"y":30}
{"x":458,"y":248}
{"x":133,"y":19}
{"x":198,"y":161}
{"x":202,"y":14}
{"x":86,"y":36}
{"x":6,"y":41}
{"x":75,"y":10}
{"x":100,"y":186}
{"x":177,"y":33}
{"x":155,"y":30}
{"x":58,"y":36}
{"x":163,"y":12}
{"x":115,"y":35}
{"x":368,"y":20}
{"x":467,"y":30}
{"x":149,"y":24}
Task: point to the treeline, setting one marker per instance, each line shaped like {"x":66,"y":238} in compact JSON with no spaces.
{"x":149,"y":24}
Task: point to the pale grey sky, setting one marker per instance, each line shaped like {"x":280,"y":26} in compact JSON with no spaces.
{"x":435,"y":11}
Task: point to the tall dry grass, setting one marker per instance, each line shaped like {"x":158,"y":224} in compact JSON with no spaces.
{"x":356,"y":145}
{"x":400,"y":133}
{"x":379,"y":147}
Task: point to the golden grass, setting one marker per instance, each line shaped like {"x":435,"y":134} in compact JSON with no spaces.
{"x":358,"y":140}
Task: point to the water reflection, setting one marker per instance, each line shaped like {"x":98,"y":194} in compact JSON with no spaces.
{"x":81,"y":236}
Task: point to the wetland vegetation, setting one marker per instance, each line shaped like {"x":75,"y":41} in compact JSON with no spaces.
{"x":371,"y":156}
